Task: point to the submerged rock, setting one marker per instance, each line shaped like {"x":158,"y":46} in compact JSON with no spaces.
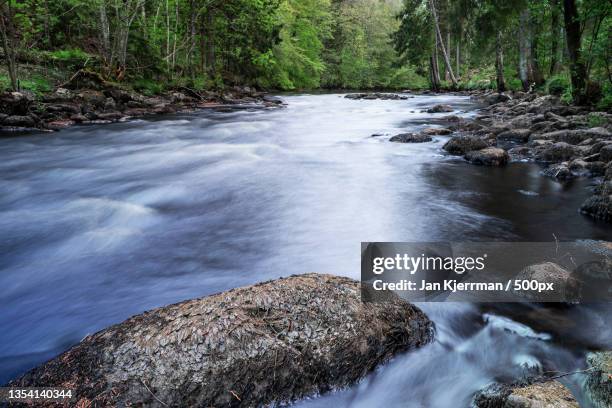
{"x":411,"y":138}
{"x":490,"y":156}
{"x":269,"y":343}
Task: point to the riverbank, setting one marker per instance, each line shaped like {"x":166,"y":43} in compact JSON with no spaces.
{"x":88,"y":99}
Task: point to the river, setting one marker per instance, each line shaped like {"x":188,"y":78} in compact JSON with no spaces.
{"x":99,"y":223}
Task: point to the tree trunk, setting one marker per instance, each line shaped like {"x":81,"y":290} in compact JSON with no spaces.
{"x":524,"y":45}
{"x":499,"y":63}
{"x":554,"y":43}
{"x":448,"y":47}
{"x":441,"y":42}
{"x":577,"y":67}
{"x":436,"y":66}
{"x":8,"y":38}
{"x":458,"y":60}
{"x":105,"y":34}
{"x":211,"y":57}
{"x":434,"y":75}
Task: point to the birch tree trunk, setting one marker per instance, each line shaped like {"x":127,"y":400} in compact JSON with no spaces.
{"x":441,"y":42}
{"x":105,"y":34}
{"x":499,"y":63}
{"x":524,"y":49}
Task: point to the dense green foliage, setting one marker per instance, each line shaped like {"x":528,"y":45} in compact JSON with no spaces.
{"x":530,"y":36}
{"x":285,"y":44}
{"x":153,"y":45}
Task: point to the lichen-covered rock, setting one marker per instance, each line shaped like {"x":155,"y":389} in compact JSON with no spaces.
{"x":460,"y":145}
{"x":490,"y":156}
{"x":549,"y":394}
{"x":269,"y":343}
{"x":411,"y":138}
{"x":599,"y":380}
{"x":566,"y":286}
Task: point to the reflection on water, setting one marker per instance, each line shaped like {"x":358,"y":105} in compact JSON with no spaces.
{"x":100,"y":223}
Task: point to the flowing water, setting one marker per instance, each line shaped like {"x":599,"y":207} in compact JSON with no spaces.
{"x":99,"y":223}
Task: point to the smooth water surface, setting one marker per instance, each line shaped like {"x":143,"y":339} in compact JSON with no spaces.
{"x":100,"y":223}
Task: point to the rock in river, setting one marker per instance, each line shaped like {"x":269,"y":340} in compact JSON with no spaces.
{"x":490,"y":156}
{"x":440,"y":108}
{"x":269,"y":343}
{"x":459,"y":145}
{"x":411,"y":138}
{"x":549,"y":394}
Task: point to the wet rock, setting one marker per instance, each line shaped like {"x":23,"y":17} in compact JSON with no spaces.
{"x":16,"y":103}
{"x":598,"y":206}
{"x":575,"y":136}
{"x":521,"y":153}
{"x":93,"y":98}
{"x":559,"y":171}
{"x":440,"y":108}
{"x":543,"y":104}
{"x":605,"y":153}
{"x":59,"y":124}
{"x":376,"y":95}
{"x":558,"y":152}
{"x":261,"y":345}
{"x":548,"y":394}
{"x":110,"y":115}
{"x":490,"y":156}
{"x":566,"y":286}
{"x":495,"y":98}
{"x":272,"y":100}
{"x":64,"y":107}
{"x":60,"y":95}
{"x":19,"y":121}
{"x":451,"y":118}
{"x":599,"y":380}
{"x":459,"y":145}
{"x":436,"y":131}
{"x":78,"y":118}
{"x":411,"y":138}
{"x":516,"y":135}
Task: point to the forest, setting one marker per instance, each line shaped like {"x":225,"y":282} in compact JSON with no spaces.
{"x":556,"y":46}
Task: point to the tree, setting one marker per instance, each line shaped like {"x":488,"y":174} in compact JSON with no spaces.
{"x":447,"y":63}
{"x":499,"y":63}
{"x":7,"y":31}
{"x":576,"y":64}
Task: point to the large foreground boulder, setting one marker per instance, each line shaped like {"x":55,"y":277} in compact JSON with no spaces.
{"x":269,"y":343}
